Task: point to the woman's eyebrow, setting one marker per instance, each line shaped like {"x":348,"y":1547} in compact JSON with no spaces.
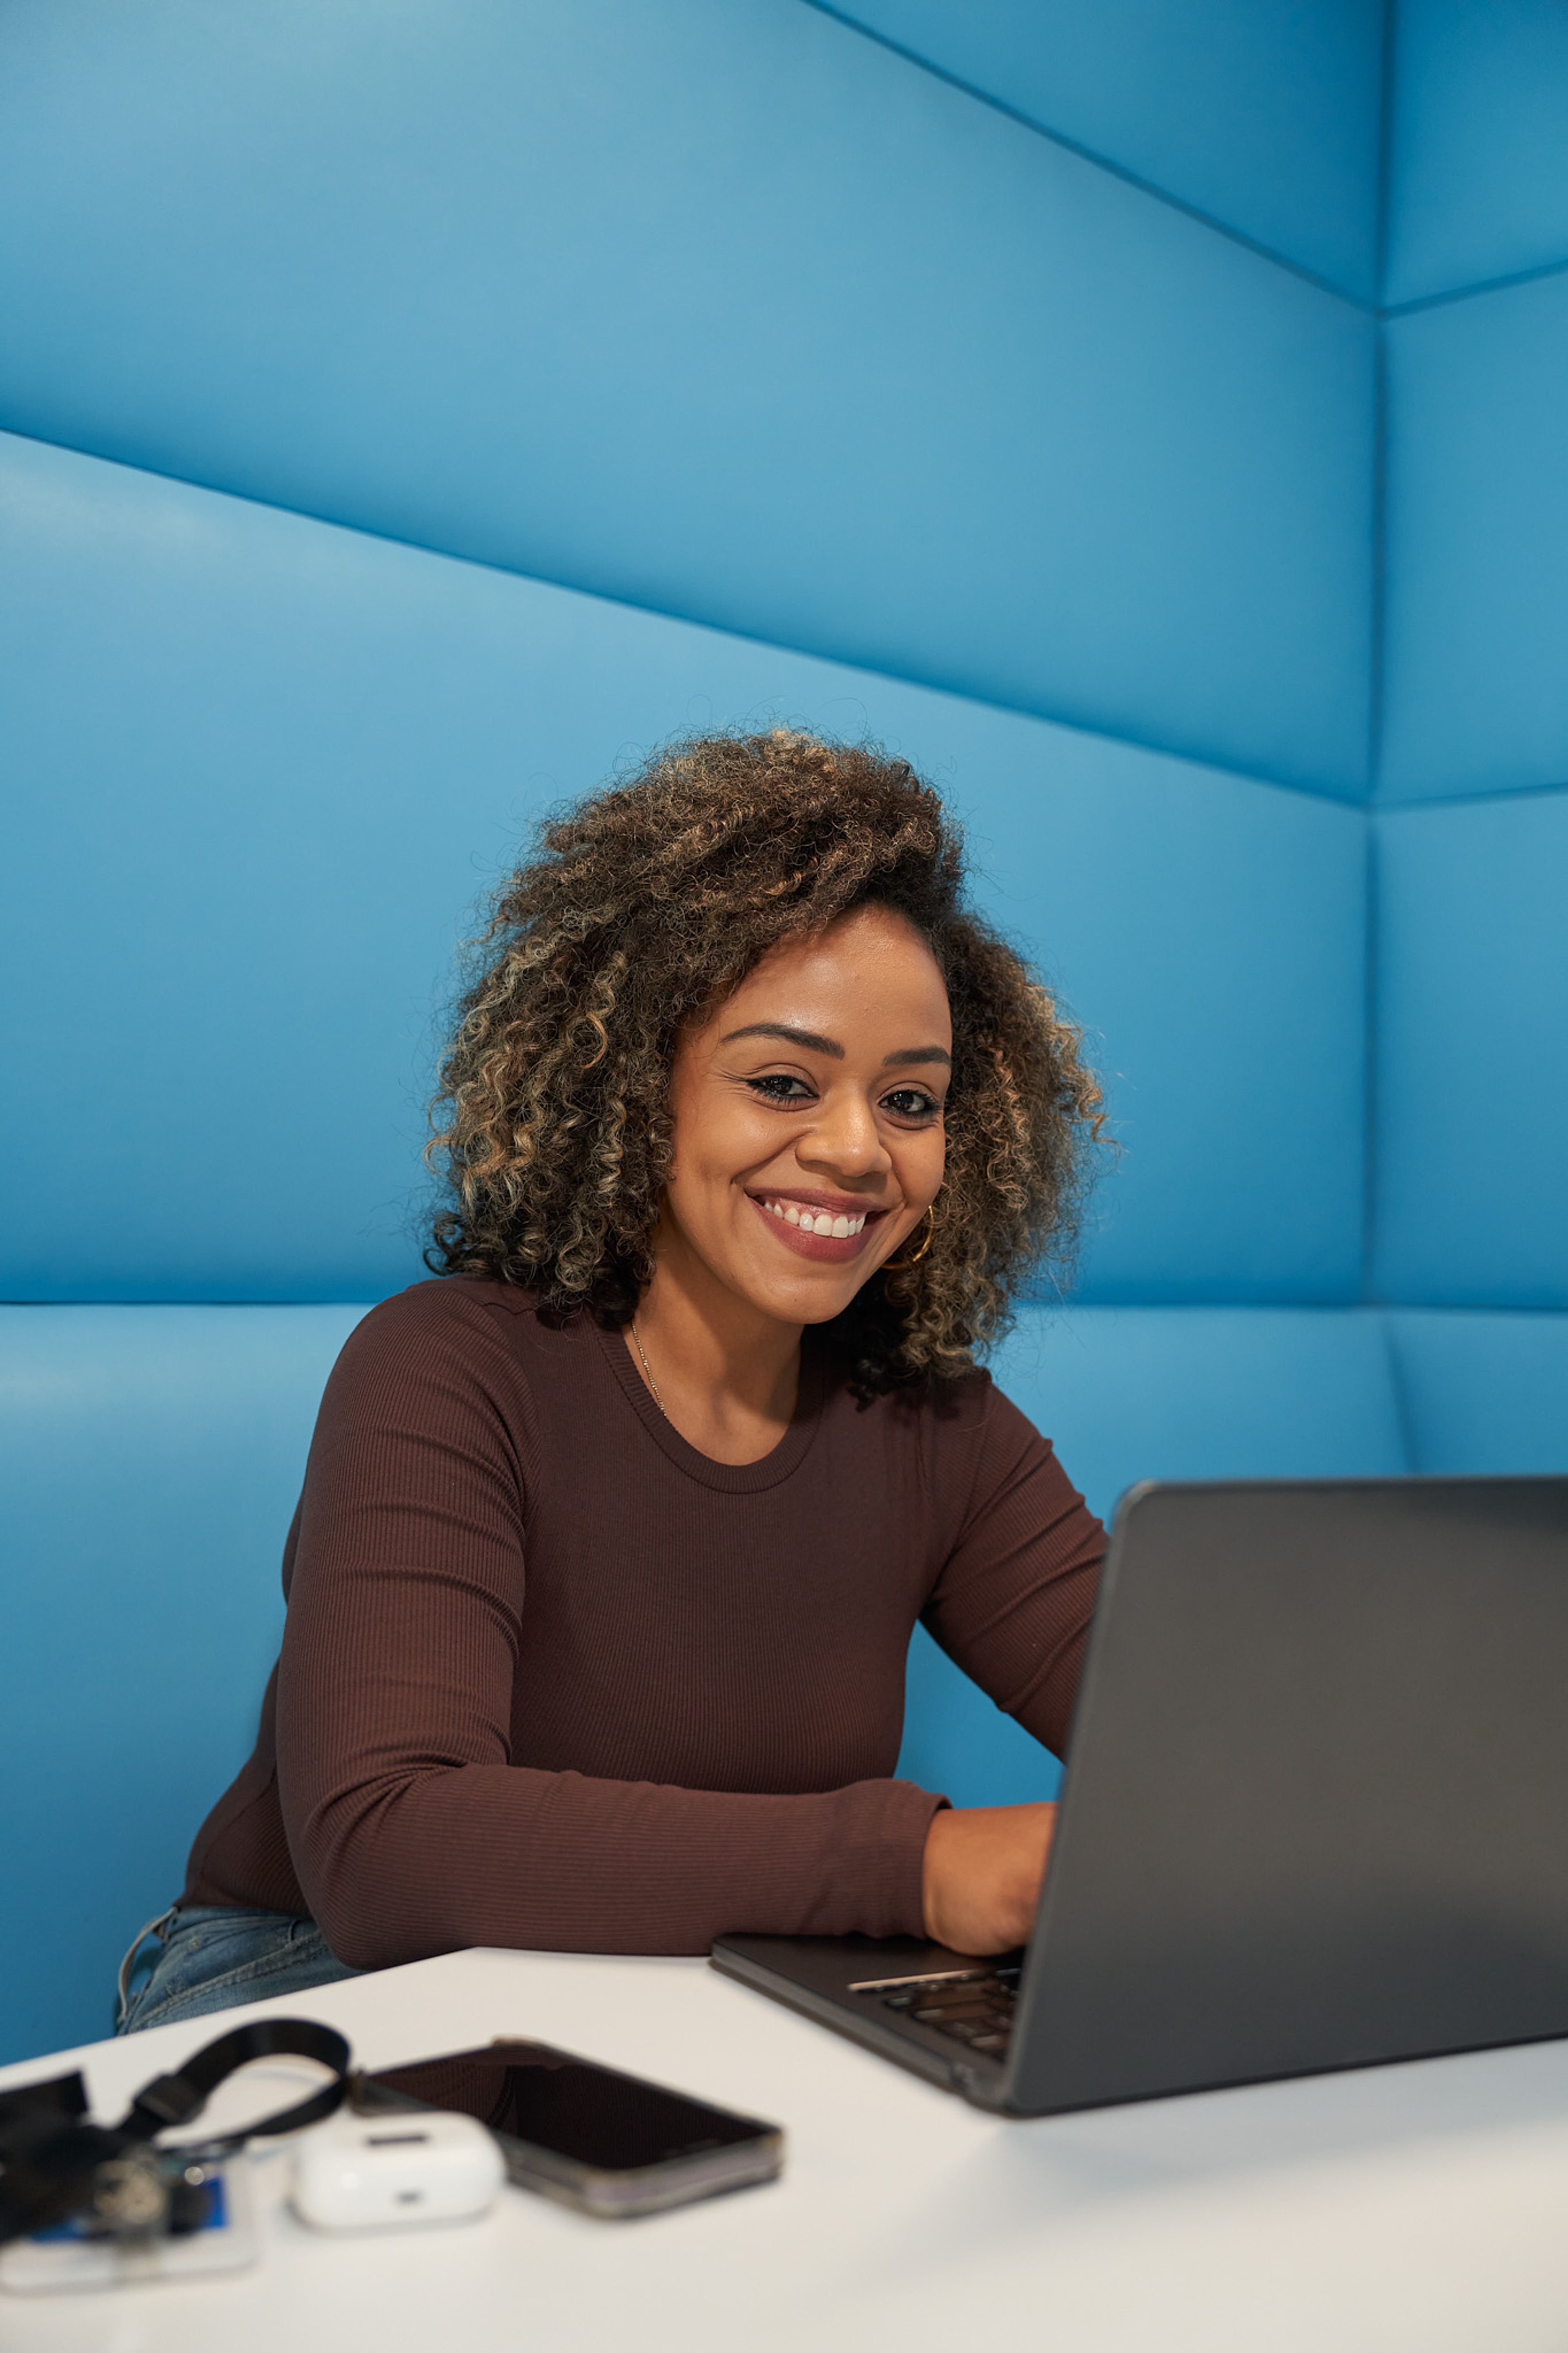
{"x":808,"y":1038}
{"x":814,"y":1043}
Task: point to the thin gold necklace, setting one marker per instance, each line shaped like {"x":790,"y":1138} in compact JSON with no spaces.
{"x":648,"y":1369}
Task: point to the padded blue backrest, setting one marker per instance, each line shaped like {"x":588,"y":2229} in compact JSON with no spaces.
{"x":149,"y":1461}
{"x":1134,"y":1393}
{"x":1482,"y":1394}
{"x":406,"y":416}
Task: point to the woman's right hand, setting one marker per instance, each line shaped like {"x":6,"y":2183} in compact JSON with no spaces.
{"x":981,"y":1880}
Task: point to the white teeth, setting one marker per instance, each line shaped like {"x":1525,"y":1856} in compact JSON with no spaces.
{"x":817,"y":1221}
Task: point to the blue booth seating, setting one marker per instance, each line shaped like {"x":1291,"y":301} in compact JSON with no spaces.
{"x":407,"y":417}
{"x":150,"y":1459}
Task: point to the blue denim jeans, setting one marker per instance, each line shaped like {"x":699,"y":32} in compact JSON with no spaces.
{"x":207,"y":1957}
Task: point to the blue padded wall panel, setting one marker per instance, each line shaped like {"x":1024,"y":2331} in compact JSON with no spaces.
{"x":260,"y":766}
{"x":725,"y":310}
{"x":1478,"y":162}
{"x":1472,"y":1054}
{"x":1219,"y":957}
{"x":1476,"y":686}
{"x":1262,"y":113}
{"x":1159,"y":1393}
{"x":150,"y":1461}
{"x":1134,"y":1393}
{"x":1483,"y":1394}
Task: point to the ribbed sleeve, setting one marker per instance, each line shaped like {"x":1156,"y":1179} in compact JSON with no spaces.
{"x":1016,"y":1594}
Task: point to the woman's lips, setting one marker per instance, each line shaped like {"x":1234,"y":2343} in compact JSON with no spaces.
{"x":836,"y":1250}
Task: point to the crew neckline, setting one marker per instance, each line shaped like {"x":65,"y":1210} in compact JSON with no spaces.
{"x":728,"y":1478}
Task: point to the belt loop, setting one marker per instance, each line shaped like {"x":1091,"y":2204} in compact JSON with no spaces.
{"x":128,"y":1966}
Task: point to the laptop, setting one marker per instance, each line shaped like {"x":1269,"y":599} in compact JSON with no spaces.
{"x":1315,"y":1812}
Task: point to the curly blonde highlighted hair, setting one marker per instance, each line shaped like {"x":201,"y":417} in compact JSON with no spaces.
{"x":645,"y":905}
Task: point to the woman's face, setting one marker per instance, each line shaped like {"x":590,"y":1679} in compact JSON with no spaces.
{"x":808,"y":1119}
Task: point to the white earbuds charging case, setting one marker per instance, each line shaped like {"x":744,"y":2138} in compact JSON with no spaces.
{"x":387,"y":2171}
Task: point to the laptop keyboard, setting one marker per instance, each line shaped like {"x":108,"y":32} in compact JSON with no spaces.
{"x":976,"y":2008}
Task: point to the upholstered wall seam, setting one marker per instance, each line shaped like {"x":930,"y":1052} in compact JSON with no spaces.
{"x":1376,"y":650}
{"x":1089,"y":155}
{"x":1149,"y":743}
{"x":1483,"y":796}
{"x":1389,"y":69}
{"x":1481,"y":286}
{"x":1399,"y":1390}
{"x":1377,"y":617}
{"x":1370,"y":1074}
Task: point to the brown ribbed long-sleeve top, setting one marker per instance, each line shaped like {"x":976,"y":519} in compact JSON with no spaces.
{"x":552,"y":1678}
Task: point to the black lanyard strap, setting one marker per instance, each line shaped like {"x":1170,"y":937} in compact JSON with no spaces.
{"x":55,"y":2165}
{"x":175,"y":2098}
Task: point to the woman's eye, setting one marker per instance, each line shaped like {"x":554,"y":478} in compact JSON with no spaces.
{"x":912,"y":1103}
{"x":781,"y":1086}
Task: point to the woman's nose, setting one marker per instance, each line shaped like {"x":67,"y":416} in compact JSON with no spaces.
{"x":845,"y":1137}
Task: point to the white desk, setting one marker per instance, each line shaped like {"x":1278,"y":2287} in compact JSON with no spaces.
{"x":1422,"y":2207}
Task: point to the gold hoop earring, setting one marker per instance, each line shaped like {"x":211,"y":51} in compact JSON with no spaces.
{"x":900,"y":1265}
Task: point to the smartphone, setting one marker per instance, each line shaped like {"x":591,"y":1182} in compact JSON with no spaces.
{"x":608,"y":2144}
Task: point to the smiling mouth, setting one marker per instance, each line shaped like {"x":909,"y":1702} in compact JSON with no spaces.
{"x":808,"y":1220}
{"x":831,"y":1235}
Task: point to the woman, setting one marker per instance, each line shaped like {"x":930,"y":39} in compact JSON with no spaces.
{"x":613,"y":1538}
